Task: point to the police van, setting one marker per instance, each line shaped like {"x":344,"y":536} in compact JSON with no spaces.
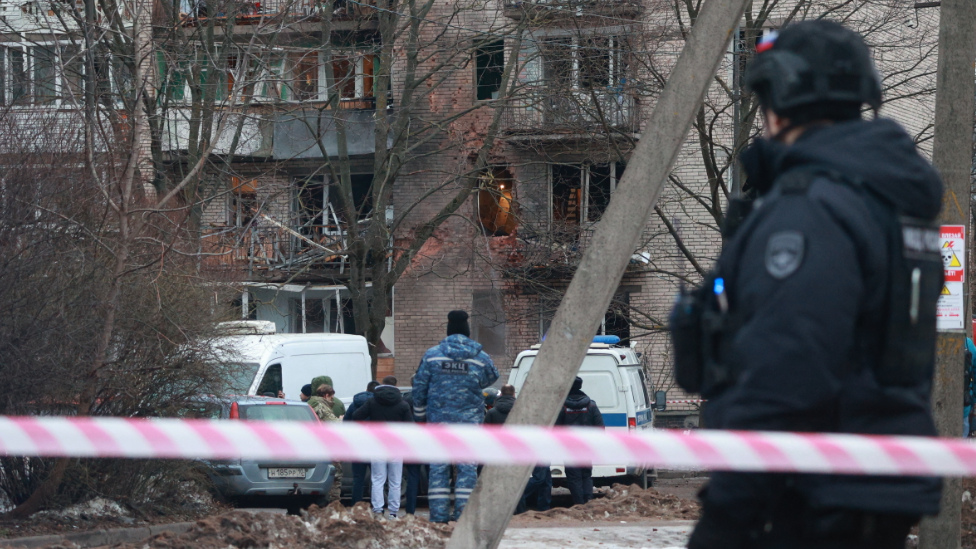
{"x":614,"y":378}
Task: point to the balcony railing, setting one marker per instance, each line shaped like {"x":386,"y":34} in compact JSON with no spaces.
{"x":555,"y":251}
{"x":269,"y":248}
{"x":253,"y":11}
{"x":576,"y":8}
{"x":581,"y":111}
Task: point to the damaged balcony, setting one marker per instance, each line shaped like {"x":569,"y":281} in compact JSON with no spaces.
{"x":311,"y":241}
{"x":554,"y":251}
{"x":267,"y":249}
{"x":580,"y":113}
{"x":254,"y":12}
{"x":537,"y":9}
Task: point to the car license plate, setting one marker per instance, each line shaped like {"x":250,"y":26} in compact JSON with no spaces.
{"x":286,"y":473}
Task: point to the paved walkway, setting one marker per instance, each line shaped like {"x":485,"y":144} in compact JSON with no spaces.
{"x":670,"y":535}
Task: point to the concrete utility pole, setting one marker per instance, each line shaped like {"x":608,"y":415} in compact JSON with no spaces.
{"x":952,"y":154}
{"x":578,"y":317}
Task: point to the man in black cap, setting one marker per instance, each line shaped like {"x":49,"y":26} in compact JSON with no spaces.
{"x":819,"y":315}
{"x":580,"y":410}
{"x":448,"y":389}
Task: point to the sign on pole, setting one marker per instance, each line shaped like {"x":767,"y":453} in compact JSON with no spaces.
{"x":951,"y":309}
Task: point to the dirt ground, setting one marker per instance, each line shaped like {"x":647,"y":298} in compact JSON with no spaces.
{"x":620,"y":503}
{"x":336,"y":527}
{"x":84,"y":520}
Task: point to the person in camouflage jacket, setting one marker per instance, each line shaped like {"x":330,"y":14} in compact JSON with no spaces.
{"x":321,"y":405}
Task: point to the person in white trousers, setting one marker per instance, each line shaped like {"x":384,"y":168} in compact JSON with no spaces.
{"x":386,"y":472}
{"x":387,"y":404}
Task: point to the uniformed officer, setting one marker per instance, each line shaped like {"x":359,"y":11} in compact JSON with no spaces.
{"x":820,"y":313}
{"x":448,"y":389}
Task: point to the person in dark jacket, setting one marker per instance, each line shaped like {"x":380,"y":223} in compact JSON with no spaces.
{"x":540,"y":483}
{"x":358,"y":468}
{"x":414,"y":472}
{"x":386,"y":405}
{"x":579,"y":411}
{"x":502,"y":406}
{"x":805,"y":282}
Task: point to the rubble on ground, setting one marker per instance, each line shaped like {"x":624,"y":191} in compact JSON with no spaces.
{"x":623,"y":502}
{"x":332,"y":527}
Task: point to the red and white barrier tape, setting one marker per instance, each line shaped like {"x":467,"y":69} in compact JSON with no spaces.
{"x":720,"y":450}
{"x":686,"y":401}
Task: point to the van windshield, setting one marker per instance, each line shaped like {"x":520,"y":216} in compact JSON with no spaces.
{"x":239,"y":377}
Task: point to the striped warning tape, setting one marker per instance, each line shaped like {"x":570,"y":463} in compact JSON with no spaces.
{"x":719,"y":450}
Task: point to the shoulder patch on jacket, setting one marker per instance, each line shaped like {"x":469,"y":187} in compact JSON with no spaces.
{"x":784,"y":253}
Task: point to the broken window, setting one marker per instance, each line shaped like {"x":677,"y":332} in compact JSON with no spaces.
{"x":557,"y":62}
{"x":567,"y":194}
{"x":489,"y":66}
{"x":313,"y":319}
{"x":243,"y":202}
{"x":353,"y":74}
{"x":305,"y":74}
{"x":319,"y":208}
{"x":595,"y":62}
{"x":582,"y":191}
{"x":496,"y":206}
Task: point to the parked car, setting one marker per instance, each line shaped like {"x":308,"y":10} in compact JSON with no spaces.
{"x":272,"y":362}
{"x":614,"y":378}
{"x":276,"y":483}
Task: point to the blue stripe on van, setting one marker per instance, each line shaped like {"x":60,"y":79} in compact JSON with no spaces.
{"x":615,"y":420}
{"x":643,"y":416}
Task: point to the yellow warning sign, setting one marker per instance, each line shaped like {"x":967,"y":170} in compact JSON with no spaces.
{"x":945,"y":290}
{"x":949,"y":258}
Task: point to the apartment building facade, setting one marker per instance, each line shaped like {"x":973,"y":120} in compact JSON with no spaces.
{"x":469,"y":149}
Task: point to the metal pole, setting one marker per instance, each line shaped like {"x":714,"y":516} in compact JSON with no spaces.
{"x":952,"y":154}
{"x":578,"y":317}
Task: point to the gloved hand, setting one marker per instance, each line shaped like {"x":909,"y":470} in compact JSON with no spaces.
{"x":718,"y":530}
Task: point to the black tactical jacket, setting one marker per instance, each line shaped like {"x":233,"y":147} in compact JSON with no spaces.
{"x":806,"y":276}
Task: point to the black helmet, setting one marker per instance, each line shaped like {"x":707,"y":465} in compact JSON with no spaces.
{"x":490,"y":394}
{"x":815,"y":69}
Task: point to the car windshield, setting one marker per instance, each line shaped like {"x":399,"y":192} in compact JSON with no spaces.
{"x":277,"y":412}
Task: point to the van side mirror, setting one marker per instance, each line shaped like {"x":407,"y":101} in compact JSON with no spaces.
{"x":660,"y":401}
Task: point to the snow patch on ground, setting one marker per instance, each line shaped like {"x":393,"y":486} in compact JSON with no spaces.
{"x":98,"y":507}
{"x":614,"y":537}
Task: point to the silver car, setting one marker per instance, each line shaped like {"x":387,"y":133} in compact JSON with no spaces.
{"x":290,"y":484}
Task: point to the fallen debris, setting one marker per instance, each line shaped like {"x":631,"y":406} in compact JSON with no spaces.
{"x":621,"y":503}
{"x":332,"y":527}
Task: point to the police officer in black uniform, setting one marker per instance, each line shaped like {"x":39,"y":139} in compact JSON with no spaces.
{"x":820,"y":313}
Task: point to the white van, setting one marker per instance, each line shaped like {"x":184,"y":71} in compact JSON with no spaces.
{"x":272,"y":362}
{"x":613,"y":377}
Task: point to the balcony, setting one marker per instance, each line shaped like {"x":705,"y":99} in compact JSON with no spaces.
{"x":541,"y":112}
{"x":554,"y":251}
{"x":551,"y":9}
{"x":268,"y":249}
{"x":252,"y":12}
